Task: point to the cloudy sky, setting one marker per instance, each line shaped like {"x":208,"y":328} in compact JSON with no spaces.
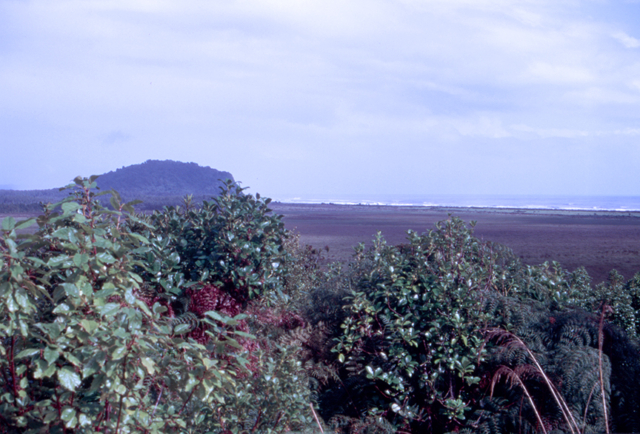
{"x":300,"y":97}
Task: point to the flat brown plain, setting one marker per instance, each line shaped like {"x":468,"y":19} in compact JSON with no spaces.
{"x":600,"y":243}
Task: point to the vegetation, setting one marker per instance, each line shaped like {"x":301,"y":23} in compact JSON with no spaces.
{"x":211,"y":318}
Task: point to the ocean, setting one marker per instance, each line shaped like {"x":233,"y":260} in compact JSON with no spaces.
{"x":556,"y":202}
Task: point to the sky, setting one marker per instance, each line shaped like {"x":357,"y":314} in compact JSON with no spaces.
{"x":303,"y":97}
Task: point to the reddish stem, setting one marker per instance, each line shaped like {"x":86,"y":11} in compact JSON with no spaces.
{"x":12,"y":368}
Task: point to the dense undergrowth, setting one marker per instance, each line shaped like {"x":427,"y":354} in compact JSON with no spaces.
{"x":214,"y":319}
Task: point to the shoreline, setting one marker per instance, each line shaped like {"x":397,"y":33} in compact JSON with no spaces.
{"x":472,"y":209}
{"x":598,"y":240}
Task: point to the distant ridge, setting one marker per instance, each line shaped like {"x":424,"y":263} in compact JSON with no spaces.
{"x":157,"y":183}
{"x":164,"y":178}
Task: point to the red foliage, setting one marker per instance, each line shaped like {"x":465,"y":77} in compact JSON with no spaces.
{"x":198,"y":334}
{"x":210,"y":297}
{"x":285,"y":320}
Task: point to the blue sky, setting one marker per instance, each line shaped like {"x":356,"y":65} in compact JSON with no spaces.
{"x":304,"y":97}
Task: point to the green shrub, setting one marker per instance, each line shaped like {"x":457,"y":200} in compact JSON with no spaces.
{"x":413,"y":339}
{"x":231,"y":242}
{"x":106,"y":327}
{"x":412,"y":342}
{"x":215,"y":319}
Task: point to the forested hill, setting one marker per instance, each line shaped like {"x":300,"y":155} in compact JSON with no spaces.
{"x":156,"y":183}
{"x":164,"y":178}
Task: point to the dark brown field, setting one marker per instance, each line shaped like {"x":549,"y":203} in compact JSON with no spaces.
{"x":600,"y":242}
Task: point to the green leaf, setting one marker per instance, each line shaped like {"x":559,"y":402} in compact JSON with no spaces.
{"x":73,"y":359}
{"x":22,"y":298}
{"x":215,"y":315}
{"x":158,"y":308}
{"x":51,"y":355}
{"x":56,"y":261}
{"x":12,"y":306}
{"x":68,"y":378}
{"x":181,"y":328}
{"x":69,"y":207}
{"x":83,"y":419}
{"x":114,"y":200}
{"x":90,"y":368}
{"x":80,"y":259}
{"x":191,"y":383}
{"x":63,"y":233}
{"x":28,"y":353}
{"x":72,"y":423}
{"x":62,"y":309}
{"x":148,"y":363}
{"x":139,"y":238}
{"x":369,"y":370}
{"x":79,"y":218}
{"x":8,"y":224}
{"x":85,"y":288}
{"x":68,"y":413}
{"x":244,"y":334}
{"x":108,"y":309}
{"x":143,"y":306}
{"x":25,"y":223}
{"x":89,"y":325}
{"x":71,"y":289}
{"x":209,"y":363}
{"x":105,"y":258}
{"x":118,"y":353}
{"x":128,"y":296}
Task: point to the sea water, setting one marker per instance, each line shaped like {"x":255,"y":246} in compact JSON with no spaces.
{"x":559,"y":202}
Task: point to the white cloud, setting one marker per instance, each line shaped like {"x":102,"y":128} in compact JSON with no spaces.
{"x":286,"y":78}
{"x":626,"y":40}
{"x":559,"y":74}
{"x":546,"y":133}
{"x":482,"y":125}
{"x":568,"y":133}
{"x":596,"y":95}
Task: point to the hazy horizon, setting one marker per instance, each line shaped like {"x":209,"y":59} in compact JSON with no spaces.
{"x":518,"y":97}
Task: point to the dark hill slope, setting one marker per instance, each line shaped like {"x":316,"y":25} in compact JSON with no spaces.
{"x":156,"y":183}
{"x":164,"y":178}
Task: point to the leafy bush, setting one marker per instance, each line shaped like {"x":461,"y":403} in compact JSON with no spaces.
{"x":214,"y":319}
{"x":105,"y":330}
{"x":412,"y":340}
{"x":412,"y":344}
{"x":231,"y":242}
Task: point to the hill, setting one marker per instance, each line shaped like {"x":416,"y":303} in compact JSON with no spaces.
{"x":164,"y":178}
{"x":157,"y":183}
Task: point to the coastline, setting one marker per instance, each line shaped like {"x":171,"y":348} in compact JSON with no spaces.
{"x":598,"y":240}
{"x":292,"y":206}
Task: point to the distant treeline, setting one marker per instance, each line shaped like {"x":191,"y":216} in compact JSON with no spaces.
{"x":18,"y":202}
{"x":28,"y":201}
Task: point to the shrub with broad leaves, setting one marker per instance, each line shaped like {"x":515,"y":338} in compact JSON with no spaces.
{"x":118,"y":323}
